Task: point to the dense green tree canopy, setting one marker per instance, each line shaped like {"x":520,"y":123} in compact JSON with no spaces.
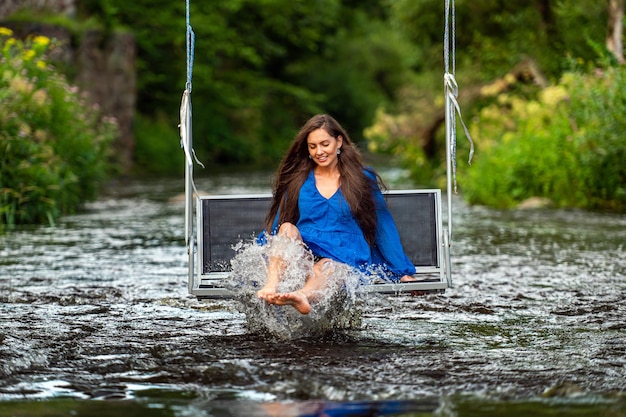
{"x":263,"y":66}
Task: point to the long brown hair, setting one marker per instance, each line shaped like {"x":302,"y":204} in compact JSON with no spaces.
{"x":356,"y":186}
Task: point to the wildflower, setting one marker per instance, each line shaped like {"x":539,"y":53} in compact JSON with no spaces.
{"x":552,"y":96}
{"x":533,"y":109}
{"x":5,"y":31}
{"x":21,"y":85}
{"x":8,"y":44}
{"x":40,"y":98}
{"x":28,"y":54}
{"x":41,"y":40}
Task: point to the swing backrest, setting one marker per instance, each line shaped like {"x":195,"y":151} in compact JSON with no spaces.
{"x":226,"y":220}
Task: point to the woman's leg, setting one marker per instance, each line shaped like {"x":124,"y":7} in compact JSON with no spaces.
{"x":276,"y":263}
{"x":301,"y":299}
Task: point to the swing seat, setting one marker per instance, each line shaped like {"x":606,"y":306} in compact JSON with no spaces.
{"x":225,"y":220}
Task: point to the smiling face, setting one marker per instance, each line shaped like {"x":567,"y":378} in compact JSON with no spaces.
{"x":323,"y":148}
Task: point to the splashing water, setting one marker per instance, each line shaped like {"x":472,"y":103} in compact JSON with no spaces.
{"x":335,"y":307}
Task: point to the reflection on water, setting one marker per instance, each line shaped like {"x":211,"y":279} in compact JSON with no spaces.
{"x":97,"y":308}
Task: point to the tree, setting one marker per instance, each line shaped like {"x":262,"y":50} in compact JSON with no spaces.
{"x":614,"y":39}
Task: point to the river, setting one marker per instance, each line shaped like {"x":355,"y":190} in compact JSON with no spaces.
{"x":96,"y":320}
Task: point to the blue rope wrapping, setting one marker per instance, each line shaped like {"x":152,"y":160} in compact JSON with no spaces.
{"x":190,"y":41}
{"x":452,"y":89}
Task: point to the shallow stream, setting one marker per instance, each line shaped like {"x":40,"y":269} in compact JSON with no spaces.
{"x":96,"y":319}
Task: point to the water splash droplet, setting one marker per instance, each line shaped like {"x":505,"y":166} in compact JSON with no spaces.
{"x":334,"y":307}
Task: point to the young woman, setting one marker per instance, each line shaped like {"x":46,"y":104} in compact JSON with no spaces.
{"x":325,"y":198}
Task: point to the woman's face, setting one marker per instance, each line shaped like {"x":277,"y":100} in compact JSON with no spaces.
{"x":323,"y":147}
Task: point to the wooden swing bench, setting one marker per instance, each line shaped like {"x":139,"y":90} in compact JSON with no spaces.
{"x":225,"y":220}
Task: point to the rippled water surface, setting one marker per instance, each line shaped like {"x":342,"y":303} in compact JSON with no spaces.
{"x":97,"y":308}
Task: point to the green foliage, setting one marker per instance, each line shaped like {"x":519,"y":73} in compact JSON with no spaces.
{"x":53,"y":146}
{"x":492,"y":38}
{"x":261,"y":68}
{"x":402,"y":131}
{"x":566,"y":144}
{"x":498,"y":35}
{"x":360,"y":69}
{"x":160,"y":146}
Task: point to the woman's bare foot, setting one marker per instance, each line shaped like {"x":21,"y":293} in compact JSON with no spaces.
{"x":408,"y":278}
{"x":266,"y":293}
{"x":297,"y":299}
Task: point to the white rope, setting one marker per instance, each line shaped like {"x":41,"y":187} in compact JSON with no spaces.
{"x":451,"y":86}
{"x":185,"y":118}
{"x":184,"y":111}
{"x":453,"y":91}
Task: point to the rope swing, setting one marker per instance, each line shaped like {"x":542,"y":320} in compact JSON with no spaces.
{"x":451,"y":89}
{"x":452,"y":108}
{"x":201,"y":280}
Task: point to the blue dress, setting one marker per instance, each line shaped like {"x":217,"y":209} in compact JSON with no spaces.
{"x":329,"y":229}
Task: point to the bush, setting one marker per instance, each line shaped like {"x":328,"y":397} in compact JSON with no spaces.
{"x":567,"y":145}
{"x":53,"y":145}
{"x":154,"y":139}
